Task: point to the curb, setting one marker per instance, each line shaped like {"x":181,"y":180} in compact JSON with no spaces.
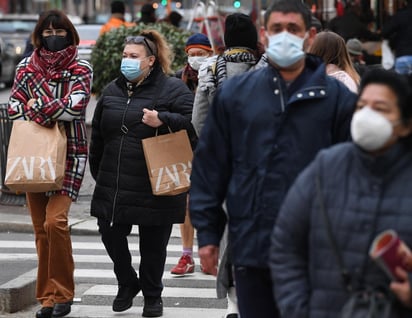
{"x":18,"y":293}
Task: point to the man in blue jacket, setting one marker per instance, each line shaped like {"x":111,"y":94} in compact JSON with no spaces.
{"x":262,"y":129}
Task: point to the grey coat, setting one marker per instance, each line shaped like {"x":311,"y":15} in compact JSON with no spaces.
{"x":358,"y":190}
{"x":206,"y":89}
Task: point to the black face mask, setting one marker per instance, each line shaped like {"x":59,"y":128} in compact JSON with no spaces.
{"x":55,"y":43}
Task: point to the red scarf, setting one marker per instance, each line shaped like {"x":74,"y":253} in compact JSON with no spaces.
{"x":51,"y":65}
{"x":189,"y":74}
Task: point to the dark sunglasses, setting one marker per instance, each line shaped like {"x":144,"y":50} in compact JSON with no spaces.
{"x":139,"y":39}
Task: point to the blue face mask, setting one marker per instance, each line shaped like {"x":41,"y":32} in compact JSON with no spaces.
{"x":285,"y":49}
{"x":130,"y":68}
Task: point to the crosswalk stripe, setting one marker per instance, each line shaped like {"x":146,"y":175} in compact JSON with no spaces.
{"x":83,"y":246}
{"x":108,"y":273}
{"x":81,"y":258}
{"x":193,"y":295}
{"x":111,"y":290}
{"x":82,"y":311}
{"x":102,"y":273}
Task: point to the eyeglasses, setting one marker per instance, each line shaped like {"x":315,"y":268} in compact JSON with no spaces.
{"x":139,"y":39}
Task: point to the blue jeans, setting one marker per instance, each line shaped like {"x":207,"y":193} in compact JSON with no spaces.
{"x":403,"y":64}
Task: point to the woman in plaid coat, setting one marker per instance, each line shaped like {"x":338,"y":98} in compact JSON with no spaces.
{"x":52,"y":87}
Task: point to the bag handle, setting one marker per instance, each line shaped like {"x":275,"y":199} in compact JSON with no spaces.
{"x":346,"y":276}
{"x":154,"y":102}
{"x":168,"y":127}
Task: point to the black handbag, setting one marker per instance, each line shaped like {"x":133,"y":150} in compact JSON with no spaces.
{"x":364,"y":302}
{"x":367,"y":304}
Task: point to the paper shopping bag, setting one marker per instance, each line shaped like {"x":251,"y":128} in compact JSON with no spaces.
{"x":169,"y":162}
{"x":36,"y":157}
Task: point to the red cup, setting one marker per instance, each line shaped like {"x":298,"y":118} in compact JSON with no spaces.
{"x":389,"y":252}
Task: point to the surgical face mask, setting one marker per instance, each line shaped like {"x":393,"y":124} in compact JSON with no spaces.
{"x":55,"y":43}
{"x":370,"y":130}
{"x":196,"y":61}
{"x":285,"y":49}
{"x":130,"y":68}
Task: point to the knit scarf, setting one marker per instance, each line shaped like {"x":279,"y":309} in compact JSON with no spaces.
{"x":51,"y":65}
{"x":234,"y":55}
{"x":189,"y":76}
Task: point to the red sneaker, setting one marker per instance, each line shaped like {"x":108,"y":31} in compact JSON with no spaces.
{"x":186,"y":265}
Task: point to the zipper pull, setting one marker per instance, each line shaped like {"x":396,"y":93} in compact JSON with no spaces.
{"x":124,"y":129}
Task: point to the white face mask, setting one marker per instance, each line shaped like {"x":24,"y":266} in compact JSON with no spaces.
{"x":285,"y":49}
{"x":196,"y":61}
{"x":370,"y":130}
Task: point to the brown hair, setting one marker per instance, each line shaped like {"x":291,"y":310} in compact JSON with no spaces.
{"x":58,"y":20}
{"x":331,"y":47}
{"x":161,"y":51}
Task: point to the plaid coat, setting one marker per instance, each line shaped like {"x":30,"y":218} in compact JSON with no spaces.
{"x":60,"y":83}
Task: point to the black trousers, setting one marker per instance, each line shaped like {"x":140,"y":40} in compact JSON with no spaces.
{"x":153,"y":242}
{"x":259,"y":303}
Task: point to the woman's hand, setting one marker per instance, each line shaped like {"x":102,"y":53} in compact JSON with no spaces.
{"x":150,"y":118}
{"x":402,"y":287}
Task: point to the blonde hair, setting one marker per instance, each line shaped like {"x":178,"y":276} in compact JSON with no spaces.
{"x":162,"y":51}
{"x":331,"y":47}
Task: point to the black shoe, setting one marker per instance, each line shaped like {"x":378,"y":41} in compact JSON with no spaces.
{"x":62,"y":309}
{"x":44,"y":312}
{"x":153,"y":307}
{"x":232,"y":316}
{"x":124,"y":298}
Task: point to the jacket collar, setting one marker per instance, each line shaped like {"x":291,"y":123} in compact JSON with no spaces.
{"x":153,"y":77}
{"x":310,"y":84}
{"x":387,"y":163}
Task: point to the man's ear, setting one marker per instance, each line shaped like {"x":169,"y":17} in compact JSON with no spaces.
{"x":310,"y":38}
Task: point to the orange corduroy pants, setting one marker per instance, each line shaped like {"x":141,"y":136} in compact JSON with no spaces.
{"x":55,"y":274}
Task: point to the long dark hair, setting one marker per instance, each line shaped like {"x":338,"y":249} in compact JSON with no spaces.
{"x":59,"y":20}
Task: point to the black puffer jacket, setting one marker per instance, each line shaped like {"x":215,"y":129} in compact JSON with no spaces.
{"x":123,"y":193}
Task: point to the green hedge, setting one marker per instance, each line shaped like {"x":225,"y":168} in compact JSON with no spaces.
{"x":107,"y":53}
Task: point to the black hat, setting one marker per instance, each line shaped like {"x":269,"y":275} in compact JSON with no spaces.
{"x":175,"y":18}
{"x":314,"y":22}
{"x":147,"y":8}
{"x":240,"y":31}
{"x":118,"y":7}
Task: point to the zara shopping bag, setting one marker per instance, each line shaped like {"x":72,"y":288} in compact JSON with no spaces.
{"x":36,"y":157}
{"x":169,"y":162}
